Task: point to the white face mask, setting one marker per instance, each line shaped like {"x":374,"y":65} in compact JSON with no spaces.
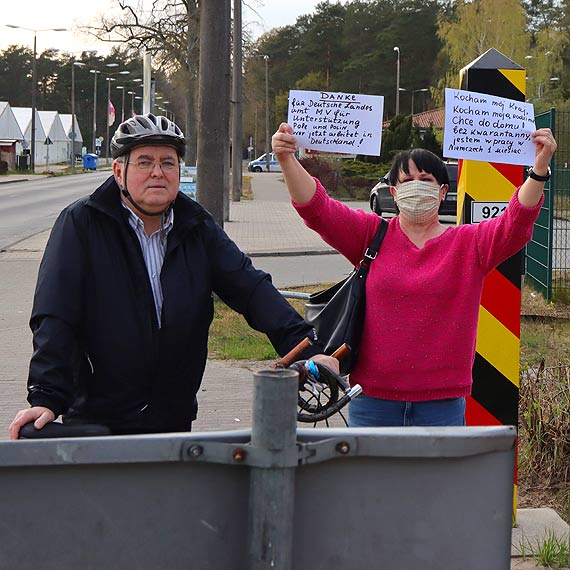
{"x":418,"y":200}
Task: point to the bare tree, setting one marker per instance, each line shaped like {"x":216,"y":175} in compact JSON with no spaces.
{"x":170,"y":31}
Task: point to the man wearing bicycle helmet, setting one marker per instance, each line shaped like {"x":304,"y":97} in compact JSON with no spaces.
{"x":123,"y":301}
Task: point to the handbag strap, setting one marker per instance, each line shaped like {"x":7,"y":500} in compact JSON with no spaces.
{"x":372,"y":250}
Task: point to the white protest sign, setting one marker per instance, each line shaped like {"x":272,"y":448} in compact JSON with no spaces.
{"x":337,"y":122}
{"x":488,"y":128}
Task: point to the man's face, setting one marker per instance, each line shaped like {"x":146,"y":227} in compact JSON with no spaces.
{"x":150,"y":186}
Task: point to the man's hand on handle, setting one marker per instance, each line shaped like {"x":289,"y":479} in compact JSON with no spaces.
{"x":38,"y":414}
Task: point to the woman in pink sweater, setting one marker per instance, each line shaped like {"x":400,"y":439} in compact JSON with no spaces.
{"x":418,"y":340}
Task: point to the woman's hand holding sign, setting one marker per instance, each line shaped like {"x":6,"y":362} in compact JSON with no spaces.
{"x":530,"y":192}
{"x":545,"y":148}
{"x":284,"y":142}
{"x":301,"y":185}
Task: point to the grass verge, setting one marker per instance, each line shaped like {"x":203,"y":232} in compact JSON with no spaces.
{"x":231,"y":338}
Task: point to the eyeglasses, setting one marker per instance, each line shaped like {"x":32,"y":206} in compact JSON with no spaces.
{"x":167,"y":166}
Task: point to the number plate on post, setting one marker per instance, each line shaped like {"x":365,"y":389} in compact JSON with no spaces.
{"x":481,"y":211}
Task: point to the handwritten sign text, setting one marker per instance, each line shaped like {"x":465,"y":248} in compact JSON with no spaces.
{"x":488,"y":128}
{"x":336,"y":122}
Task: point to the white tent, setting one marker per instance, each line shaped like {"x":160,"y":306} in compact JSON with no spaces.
{"x":9,"y":128}
{"x":10,"y":134}
{"x":66,"y":122}
{"x":24,"y":117}
{"x":56,"y":142}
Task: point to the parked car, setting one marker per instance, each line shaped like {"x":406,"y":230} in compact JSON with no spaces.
{"x":382,"y":201}
{"x":259,"y":164}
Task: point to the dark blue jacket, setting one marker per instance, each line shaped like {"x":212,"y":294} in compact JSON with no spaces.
{"x":99,"y":354}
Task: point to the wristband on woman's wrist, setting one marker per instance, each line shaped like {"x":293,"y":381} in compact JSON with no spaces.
{"x":539,"y":177}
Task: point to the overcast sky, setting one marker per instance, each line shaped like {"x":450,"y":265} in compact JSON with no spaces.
{"x":42,"y":14}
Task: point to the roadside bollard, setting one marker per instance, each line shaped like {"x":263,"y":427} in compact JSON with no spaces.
{"x":272,"y":489}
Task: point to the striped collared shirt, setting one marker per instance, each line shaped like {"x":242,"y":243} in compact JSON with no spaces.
{"x":153,"y":250}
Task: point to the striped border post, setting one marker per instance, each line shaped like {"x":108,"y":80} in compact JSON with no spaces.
{"x":495,"y":396}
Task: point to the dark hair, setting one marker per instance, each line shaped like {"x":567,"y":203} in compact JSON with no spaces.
{"x":425,"y":160}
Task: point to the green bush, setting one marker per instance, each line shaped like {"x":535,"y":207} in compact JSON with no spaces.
{"x":364,"y":169}
{"x":357,"y":187}
{"x":348,"y":179}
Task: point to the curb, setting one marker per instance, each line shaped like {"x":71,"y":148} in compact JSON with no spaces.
{"x":14,"y":181}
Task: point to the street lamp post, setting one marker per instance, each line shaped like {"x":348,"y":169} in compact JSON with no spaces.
{"x":132,"y":94}
{"x":108,"y":78}
{"x":237,"y":80}
{"x":139,"y":83}
{"x":266,"y":59}
{"x":417,"y":91}
{"x":397,"y":50}
{"x":122,"y":88}
{"x":34,"y":101}
{"x":168,"y":113}
{"x":95,"y":72}
{"x":73,"y":119}
{"x":107,"y":122}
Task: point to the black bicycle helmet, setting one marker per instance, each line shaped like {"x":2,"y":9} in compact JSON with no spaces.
{"x":148,"y":129}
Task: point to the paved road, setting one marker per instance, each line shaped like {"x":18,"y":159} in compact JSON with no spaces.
{"x":30,"y":207}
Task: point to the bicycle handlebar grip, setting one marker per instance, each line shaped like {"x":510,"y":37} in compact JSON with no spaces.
{"x":341,"y":351}
{"x":293,"y":354}
{"x":55,"y":430}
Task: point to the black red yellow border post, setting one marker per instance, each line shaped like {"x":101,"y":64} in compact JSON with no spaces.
{"x":495,"y":396}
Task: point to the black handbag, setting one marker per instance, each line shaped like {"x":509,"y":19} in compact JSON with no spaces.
{"x":337,"y":313}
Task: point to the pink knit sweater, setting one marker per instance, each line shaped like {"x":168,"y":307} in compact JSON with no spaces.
{"x":420,"y":326}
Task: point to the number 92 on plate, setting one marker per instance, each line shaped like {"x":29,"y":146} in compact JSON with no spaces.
{"x":481,"y":211}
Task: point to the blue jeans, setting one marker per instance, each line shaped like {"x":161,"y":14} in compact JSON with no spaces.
{"x":365,"y":411}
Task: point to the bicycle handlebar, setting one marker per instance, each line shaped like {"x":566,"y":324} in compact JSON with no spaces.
{"x":293,"y":354}
{"x":56,"y":429}
{"x":314,"y":381}
{"x":320,"y":382}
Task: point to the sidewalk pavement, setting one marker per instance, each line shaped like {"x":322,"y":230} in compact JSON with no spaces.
{"x":270,"y":231}
{"x":13,"y":178}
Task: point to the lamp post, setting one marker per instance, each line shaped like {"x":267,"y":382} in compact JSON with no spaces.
{"x":266,"y":59}
{"x":122,"y":88}
{"x":73,"y":120}
{"x":417,"y":91}
{"x":237,"y":109}
{"x":107,"y":122}
{"x":168,"y":113}
{"x":33,"y":137}
{"x":132,"y":94}
{"x":140,"y":84}
{"x":95,"y":72}
{"x":397,"y":50}
{"x":108,"y":78}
